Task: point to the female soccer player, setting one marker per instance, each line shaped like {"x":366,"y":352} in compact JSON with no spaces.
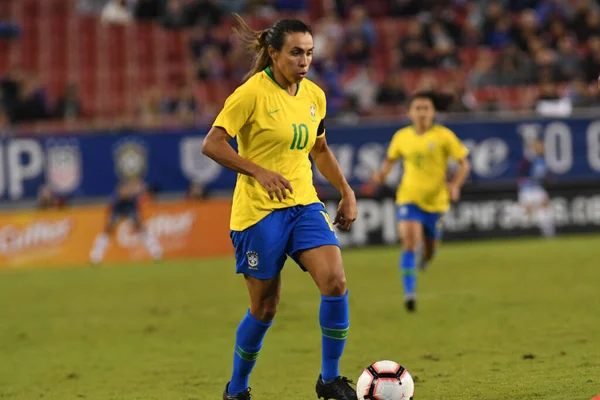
{"x":278,"y":118}
{"x":423,"y":196}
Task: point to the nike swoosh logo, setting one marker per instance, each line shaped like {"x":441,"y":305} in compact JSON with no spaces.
{"x":273,"y":111}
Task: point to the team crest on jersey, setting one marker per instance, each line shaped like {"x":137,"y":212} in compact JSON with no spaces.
{"x":252,"y":260}
{"x":313,"y":110}
{"x":131,"y":158}
{"x":431,"y":146}
{"x":63,"y":165}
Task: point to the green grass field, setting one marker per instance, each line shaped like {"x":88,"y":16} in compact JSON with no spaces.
{"x":497,"y":320}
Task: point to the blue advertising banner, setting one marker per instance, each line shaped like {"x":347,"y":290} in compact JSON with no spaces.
{"x":91,"y":165}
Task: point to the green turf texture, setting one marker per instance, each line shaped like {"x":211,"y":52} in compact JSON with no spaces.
{"x":516,"y":319}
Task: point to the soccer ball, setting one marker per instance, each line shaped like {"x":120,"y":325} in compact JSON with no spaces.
{"x":385,"y":380}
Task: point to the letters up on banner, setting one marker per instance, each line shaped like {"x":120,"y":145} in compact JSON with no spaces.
{"x":84,"y":165}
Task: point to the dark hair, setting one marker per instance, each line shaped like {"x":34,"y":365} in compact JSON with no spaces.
{"x":425,"y":95}
{"x":257,"y":42}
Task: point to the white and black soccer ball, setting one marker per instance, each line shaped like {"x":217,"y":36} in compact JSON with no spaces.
{"x":385,"y":380}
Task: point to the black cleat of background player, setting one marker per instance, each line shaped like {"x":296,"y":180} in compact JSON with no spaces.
{"x":411,"y":305}
{"x":337,"y":389}
{"x":245,"y":395}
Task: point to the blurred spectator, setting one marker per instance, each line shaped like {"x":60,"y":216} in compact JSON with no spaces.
{"x":360,"y":35}
{"x":10,"y":87}
{"x":527,"y":28}
{"x":413,"y":47}
{"x":360,"y":25}
{"x":455,"y":97}
{"x":116,"y":12}
{"x":202,"y":37}
{"x":69,"y":104}
{"x":328,"y":35}
{"x":210,"y":65}
{"x":500,"y":34}
{"x":555,"y":31}
{"x":357,"y":50}
{"x":175,"y":16}
{"x":233,"y":6}
{"x":150,"y":108}
{"x":492,"y":26}
{"x":8,"y":29}
{"x":262,"y":8}
{"x":579,"y":93}
{"x":362,"y":88}
{"x":31,"y":105}
{"x":205,"y":12}
{"x":482,"y":74}
{"x":546,"y":66}
{"x":147,"y":9}
{"x":392,"y":90}
{"x":446,"y":56}
{"x":182,"y":105}
{"x":414,"y":56}
{"x":592,"y":61}
{"x":348,"y":114}
{"x":569,"y":61}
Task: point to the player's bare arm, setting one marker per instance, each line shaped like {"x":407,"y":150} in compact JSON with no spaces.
{"x":380,"y":176}
{"x":458,"y":181}
{"x":329,"y":167}
{"x":216,"y":146}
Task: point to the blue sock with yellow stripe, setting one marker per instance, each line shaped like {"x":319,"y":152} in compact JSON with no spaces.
{"x":248,"y":341}
{"x":335,"y":321}
{"x":408,"y":265}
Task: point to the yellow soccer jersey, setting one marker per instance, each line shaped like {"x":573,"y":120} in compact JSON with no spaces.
{"x":276,"y":131}
{"x":425,"y":162}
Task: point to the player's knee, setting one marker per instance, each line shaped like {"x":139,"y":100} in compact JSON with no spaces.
{"x":410,"y":244}
{"x":335,"y":285}
{"x":265,"y":310}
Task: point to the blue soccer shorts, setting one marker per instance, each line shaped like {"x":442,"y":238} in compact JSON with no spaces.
{"x":432,"y":222}
{"x":261,"y":250}
{"x":127,"y":211}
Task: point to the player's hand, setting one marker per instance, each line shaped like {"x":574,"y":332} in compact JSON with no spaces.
{"x":454,"y":192}
{"x":378,"y":178}
{"x":346,"y":213}
{"x":275,"y":184}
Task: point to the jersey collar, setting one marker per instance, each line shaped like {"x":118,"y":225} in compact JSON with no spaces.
{"x":424,"y":133}
{"x":269,"y":72}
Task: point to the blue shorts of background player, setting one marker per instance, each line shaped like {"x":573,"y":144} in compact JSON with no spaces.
{"x":261,"y":250}
{"x":125,"y":210}
{"x":432,"y":222}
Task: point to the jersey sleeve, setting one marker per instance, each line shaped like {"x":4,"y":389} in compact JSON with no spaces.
{"x":395,"y":149}
{"x":236,"y":111}
{"x":456,"y":149}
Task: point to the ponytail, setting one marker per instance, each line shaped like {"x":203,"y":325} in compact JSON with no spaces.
{"x":256,"y":43}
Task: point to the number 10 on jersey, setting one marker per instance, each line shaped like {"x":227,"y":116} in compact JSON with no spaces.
{"x":300,"y":139}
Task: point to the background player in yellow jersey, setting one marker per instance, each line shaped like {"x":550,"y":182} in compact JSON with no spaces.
{"x":278,"y":118}
{"x":423,"y":195}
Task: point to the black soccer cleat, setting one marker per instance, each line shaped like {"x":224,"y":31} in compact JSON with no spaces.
{"x":245,"y":395}
{"x":411,"y":305}
{"x":337,"y":389}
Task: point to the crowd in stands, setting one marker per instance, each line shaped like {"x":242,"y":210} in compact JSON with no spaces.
{"x":370,"y":56}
